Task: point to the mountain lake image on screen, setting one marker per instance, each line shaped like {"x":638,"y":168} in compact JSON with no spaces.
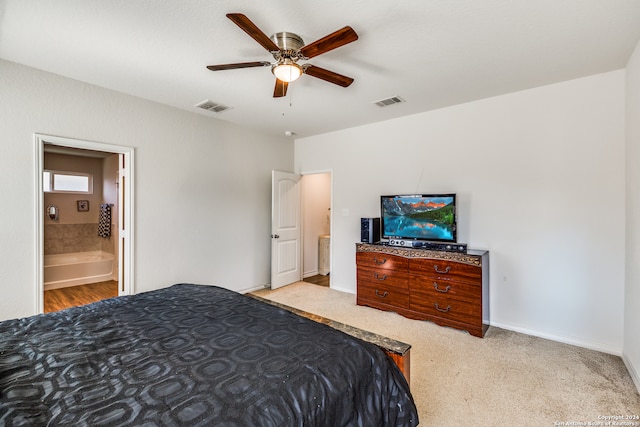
{"x":419,"y":216}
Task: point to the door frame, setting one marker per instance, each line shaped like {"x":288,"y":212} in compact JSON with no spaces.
{"x":126,"y":234}
{"x":318,"y":172}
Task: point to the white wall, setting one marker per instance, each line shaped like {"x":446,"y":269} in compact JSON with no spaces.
{"x":202,"y":185}
{"x":540,"y":180}
{"x":316,"y":201}
{"x":631,"y":351}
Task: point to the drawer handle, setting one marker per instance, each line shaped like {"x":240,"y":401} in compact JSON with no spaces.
{"x":377,"y":262}
{"x":446,"y":270}
{"x":443,"y":310}
{"x":444,"y":291}
{"x":378,"y":294}
{"x":377,"y":276}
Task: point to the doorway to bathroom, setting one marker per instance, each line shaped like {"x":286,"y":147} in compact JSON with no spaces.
{"x":316,"y":240}
{"x":84,"y":231}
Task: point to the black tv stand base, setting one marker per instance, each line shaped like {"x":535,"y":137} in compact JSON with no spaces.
{"x":433,"y":246}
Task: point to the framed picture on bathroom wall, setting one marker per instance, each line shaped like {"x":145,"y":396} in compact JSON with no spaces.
{"x":83,"y":205}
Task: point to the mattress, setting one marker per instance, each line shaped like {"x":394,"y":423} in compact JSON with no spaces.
{"x":193,"y":355}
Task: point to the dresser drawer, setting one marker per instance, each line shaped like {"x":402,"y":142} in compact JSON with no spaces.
{"x":383,"y":293}
{"x":380,"y":260}
{"x":382,"y":277}
{"x":447,"y":308}
{"x":448,"y":270}
{"x":430,"y":288}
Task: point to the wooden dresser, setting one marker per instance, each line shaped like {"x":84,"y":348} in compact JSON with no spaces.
{"x":447,"y":288}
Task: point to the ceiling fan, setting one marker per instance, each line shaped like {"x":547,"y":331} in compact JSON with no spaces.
{"x":287,"y":49}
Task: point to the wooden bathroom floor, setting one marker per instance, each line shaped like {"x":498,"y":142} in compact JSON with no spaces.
{"x":59,"y":299}
{"x":318,"y":280}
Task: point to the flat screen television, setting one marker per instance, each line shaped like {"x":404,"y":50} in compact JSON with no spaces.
{"x":419,"y":217}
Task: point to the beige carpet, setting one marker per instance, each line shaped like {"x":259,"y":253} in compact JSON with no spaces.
{"x":504,"y":379}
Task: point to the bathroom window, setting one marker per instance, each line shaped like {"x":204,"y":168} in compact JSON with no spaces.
{"x":67,"y":182}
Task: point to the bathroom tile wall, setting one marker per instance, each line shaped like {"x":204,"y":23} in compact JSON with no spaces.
{"x":67,"y":238}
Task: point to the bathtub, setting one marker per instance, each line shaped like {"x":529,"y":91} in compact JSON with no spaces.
{"x":78,"y":268}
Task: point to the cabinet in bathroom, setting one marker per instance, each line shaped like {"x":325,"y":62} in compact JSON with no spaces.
{"x":324,"y":254}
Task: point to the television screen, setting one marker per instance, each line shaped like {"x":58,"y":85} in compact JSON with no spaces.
{"x":419,"y":217}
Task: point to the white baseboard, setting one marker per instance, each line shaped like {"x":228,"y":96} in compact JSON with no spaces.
{"x":334,"y":287}
{"x":616,"y":351}
{"x":255,"y":288}
{"x":634,"y":374}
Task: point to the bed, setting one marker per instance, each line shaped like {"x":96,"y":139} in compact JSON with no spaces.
{"x":193,"y":355}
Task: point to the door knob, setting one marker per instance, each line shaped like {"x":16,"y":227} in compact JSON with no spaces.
{"x":275,"y":236}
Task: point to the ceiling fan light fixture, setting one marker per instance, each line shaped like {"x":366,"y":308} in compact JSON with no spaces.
{"x":287,"y":49}
{"x":287,"y":70}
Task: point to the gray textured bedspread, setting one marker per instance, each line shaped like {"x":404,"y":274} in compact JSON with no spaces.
{"x":193,"y":355}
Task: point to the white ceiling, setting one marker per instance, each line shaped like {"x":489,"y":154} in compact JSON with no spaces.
{"x":432,"y":53}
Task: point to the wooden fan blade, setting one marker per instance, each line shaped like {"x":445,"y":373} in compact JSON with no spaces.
{"x":328,"y":76}
{"x":238,"y":65}
{"x":332,"y":41}
{"x":256,"y":33}
{"x":281,"y":89}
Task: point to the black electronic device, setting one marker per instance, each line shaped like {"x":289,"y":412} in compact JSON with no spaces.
{"x":369,"y":230}
{"x":433,"y":246}
{"x":440,"y":246}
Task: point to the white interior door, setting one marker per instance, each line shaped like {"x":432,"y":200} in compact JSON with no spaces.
{"x":286,"y":229}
